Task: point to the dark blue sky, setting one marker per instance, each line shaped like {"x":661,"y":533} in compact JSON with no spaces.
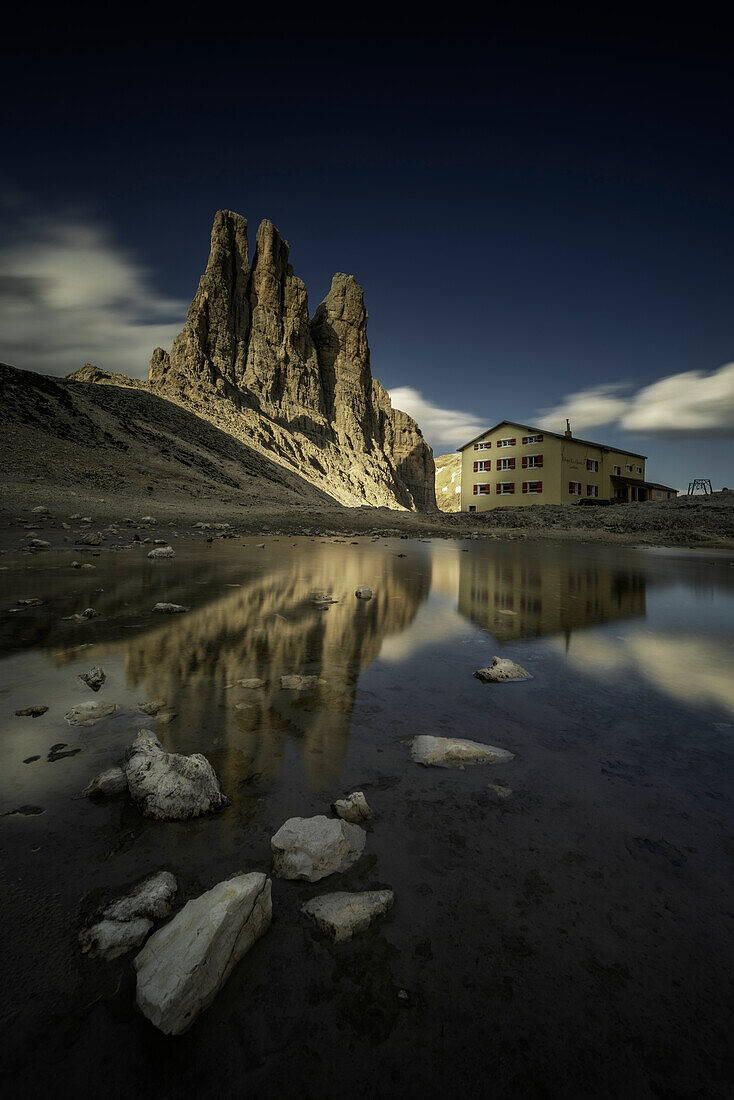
{"x":531,"y":215}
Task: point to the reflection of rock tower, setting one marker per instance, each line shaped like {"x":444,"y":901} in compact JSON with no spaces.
{"x":269,"y":628}
{"x":526,"y":592}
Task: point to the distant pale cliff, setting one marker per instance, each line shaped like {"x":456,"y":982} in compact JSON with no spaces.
{"x":448,"y":482}
{"x":250,"y":359}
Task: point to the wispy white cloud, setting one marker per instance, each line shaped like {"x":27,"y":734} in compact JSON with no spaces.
{"x":690,"y":403}
{"x":70,"y":295}
{"x":444,"y":429}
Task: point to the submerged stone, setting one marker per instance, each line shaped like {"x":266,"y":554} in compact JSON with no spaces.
{"x":501,"y":670}
{"x":342,"y":915}
{"x":353,"y":808}
{"x":162,"y":552}
{"x":107,"y":939}
{"x":106,"y":784}
{"x":452,"y":752}
{"x":86,"y":714}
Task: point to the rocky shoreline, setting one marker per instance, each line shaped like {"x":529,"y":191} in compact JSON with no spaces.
{"x":74,"y":519}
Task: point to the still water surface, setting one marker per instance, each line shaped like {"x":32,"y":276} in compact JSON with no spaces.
{"x":573,"y":938}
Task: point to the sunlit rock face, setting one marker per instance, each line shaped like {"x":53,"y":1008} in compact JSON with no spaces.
{"x":250,"y":359}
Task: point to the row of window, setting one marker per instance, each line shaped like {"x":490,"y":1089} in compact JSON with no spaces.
{"x":504,"y":488}
{"x":510,"y":442}
{"x":574,"y":488}
{"x":529,"y":462}
{"x":617,"y":470}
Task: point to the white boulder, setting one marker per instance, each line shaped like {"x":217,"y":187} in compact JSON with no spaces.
{"x":452,"y":752}
{"x":170,"y":608}
{"x":185,"y":964}
{"x":341,"y":915}
{"x":364,"y":592}
{"x":353,"y":808}
{"x":170,"y":786}
{"x":501,"y":670}
{"x":313,"y":847}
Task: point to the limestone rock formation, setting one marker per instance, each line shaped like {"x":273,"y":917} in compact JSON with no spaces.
{"x":250,"y":359}
{"x":448,"y":482}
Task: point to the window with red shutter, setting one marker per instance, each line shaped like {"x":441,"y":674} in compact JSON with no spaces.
{"x":524,"y":486}
{"x":540,"y":486}
{"x":499,"y":486}
{"x":524,"y":462}
{"x":512,"y":486}
{"x":476,"y":467}
{"x":538,"y":460}
{"x":476,"y":489}
{"x":512,"y":463}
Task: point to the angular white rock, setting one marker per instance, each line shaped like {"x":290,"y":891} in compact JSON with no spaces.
{"x":452,"y":752}
{"x":86,"y":714}
{"x":313,"y":847}
{"x":169,"y":786}
{"x":364,"y":592}
{"x":501,"y":670}
{"x":107,"y":783}
{"x":185,"y":964}
{"x":109,"y":938}
{"x":162,"y":552}
{"x":170,"y":608}
{"x":341,"y":915}
{"x":353,"y":808}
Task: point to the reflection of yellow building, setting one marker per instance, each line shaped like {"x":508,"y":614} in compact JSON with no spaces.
{"x":514,"y":464}
{"x":527,"y":594}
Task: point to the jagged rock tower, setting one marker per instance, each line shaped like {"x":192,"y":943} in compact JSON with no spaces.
{"x":250,"y":358}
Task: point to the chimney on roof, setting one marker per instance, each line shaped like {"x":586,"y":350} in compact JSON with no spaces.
{"x":567,"y":433}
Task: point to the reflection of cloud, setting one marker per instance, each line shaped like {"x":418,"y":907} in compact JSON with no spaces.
{"x":436,"y":621}
{"x":691,"y":402}
{"x":685,"y":668}
{"x":439,"y":426}
{"x":70,"y":295}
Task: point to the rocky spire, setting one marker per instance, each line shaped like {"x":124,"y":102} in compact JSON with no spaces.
{"x":282,"y":371}
{"x":339,"y":331}
{"x":211,"y":349}
{"x":304,"y":390}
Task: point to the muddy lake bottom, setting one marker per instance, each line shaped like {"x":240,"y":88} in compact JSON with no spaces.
{"x":570,"y":938}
